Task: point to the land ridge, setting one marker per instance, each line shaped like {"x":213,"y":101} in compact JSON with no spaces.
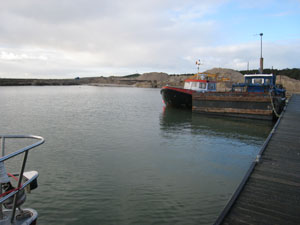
{"x":150,"y":80}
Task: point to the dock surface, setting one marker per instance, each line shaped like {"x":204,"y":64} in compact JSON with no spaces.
{"x":271,"y":194}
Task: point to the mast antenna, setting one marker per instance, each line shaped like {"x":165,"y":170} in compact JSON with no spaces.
{"x":198,"y":63}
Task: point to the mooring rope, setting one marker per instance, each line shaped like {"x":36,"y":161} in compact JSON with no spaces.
{"x":272,"y":103}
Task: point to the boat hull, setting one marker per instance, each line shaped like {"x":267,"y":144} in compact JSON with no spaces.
{"x":246,"y":105}
{"x":177,"y":97}
{"x":29,"y":217}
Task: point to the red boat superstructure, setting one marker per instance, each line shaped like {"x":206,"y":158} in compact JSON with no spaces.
{"x":182,"y":97}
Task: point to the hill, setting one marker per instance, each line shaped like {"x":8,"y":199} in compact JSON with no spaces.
{"x":161,"y":79}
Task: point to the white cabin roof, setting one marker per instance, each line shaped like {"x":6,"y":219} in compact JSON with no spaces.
{"x":258,"y":75}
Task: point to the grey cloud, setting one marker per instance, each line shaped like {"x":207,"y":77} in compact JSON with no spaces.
{"x":109,"y":36}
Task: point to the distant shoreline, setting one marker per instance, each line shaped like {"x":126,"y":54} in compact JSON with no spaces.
{"x":37,"y":82}
{"x":93,"y":81}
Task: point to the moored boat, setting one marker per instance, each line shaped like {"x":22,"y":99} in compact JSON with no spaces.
{"x":258,"y":97}
{"x":182,"y":97}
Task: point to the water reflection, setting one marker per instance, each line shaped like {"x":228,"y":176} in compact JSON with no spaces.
{"x":178,"y":121}
{"x":215,"y":152}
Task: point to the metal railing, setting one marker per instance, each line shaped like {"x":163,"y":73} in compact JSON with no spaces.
{"x":4,"y":157}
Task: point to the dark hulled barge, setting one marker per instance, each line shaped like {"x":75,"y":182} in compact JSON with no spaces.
{"x":258,"y":98}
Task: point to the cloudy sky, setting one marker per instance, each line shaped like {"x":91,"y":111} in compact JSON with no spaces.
{"x":69,"y":38}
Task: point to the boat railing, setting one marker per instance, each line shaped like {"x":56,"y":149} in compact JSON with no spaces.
{"x":24,"y":150}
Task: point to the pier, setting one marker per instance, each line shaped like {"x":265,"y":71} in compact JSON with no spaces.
{"x":270,"y":191}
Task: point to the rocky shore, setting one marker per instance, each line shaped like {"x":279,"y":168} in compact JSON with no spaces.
{"x":151,"y":80}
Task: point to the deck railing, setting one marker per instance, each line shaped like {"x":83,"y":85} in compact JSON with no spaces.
{"x":25,"y":150}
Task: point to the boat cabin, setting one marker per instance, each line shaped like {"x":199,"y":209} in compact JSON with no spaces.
{"x":260,"y":83}
{"x":200,"y":83}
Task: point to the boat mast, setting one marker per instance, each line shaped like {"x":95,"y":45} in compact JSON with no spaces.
{"x":198,"y":63}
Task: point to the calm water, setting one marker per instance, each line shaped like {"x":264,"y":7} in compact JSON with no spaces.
{"x":116,"y":156}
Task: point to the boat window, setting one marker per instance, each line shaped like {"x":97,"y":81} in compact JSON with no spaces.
{"x":211,"y":86}
{"x":267,"y":81}
{"x":195,"y":85}
{"x":202,"y":85}
{"x":258,"y":81}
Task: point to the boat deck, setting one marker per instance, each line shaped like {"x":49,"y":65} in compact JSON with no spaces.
{"x":270,"y":191}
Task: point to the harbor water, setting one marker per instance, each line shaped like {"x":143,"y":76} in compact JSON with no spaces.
{"x":115,"y":155}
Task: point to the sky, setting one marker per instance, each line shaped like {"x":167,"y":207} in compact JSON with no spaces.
{"x":80,"y":38}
